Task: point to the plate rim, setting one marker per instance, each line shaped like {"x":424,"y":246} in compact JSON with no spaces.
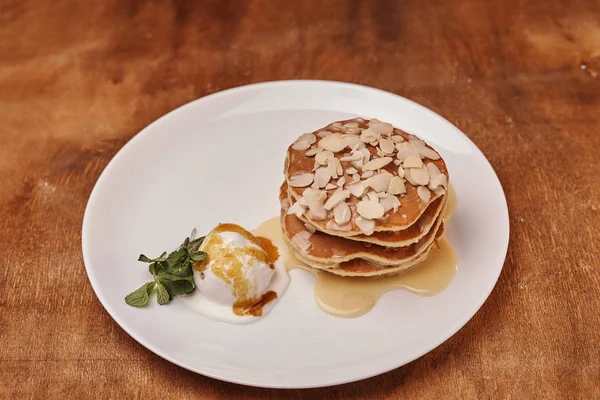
{"x":459,"y":324}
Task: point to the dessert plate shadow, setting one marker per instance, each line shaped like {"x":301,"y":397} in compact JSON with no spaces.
{"x":220,"y":159}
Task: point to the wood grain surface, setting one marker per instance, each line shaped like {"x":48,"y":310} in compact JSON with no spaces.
{"x":79,"y":78}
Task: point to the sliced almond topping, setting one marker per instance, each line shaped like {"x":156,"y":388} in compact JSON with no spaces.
{"x":387,"y":146}
{"x":366,"y":154}
{"x":308,"y":137}
{"x":297,"y":209}
{"x":341,"y":182}
{"x":330,"y":186}
{"x":357,"y":189}
{"x":404,"y":216}
{"x":355,"y":177}
{"x":382,"y":128}
{"x":337,"y":197}
{"x":428,"y":153}
{"x":405,"y":152}
{"x":322,"y":157}
{"x":354,"y":142}
{"x":354,"y":131}
{"x":380,"y":182}
{"x":323,"y":134}
{"x":301,"y":241}
{"x":335,"y":227}
{"x":342,"y":213}
{"x":373,"y":121}
{"x":331,"y":167}
{"x":397,"y":162}
{"x":366,"y":226}
{"x":408,"y":176}
{"x":301,"y":145}
{"x":381,"y":153}
{"x":398,"y":138}
{"x":396,"y":186}
{"x":351,"y":171}
{"x":412,"y":162}
{"x":419,"y":175}
{"x":301,"y":180}
{"x":439,"y":180}
{"x":351,"y":124}
{"x":389,"y":202}
{"x":367,"y":174}
{"x":417,"y":143}
{"x":401,"y":172}
{"x":322,"y":177}
{"x":439,"y":191}
{"x":333,"y":143}
{"x":317,"y":210}
{"x":433,"y":170}
{"x":313,"y":152}
{"x":302,"y":200}
{"x":338,"y":167}
{"x":370,"y":209}
{"x":337,"y":125}
{"x":377,"y":163}
{"x":373,"y":196}
{"x":355,"y":156}
{"x":424,"y":193}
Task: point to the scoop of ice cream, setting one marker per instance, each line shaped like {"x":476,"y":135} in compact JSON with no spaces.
{"x":237,"y":272}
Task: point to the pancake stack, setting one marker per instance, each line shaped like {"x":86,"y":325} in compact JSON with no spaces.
{"x":362,"y":198}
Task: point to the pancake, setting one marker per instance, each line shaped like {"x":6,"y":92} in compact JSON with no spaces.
{"x":329,"y":251}
{"x":368,"y":166}
{"x":384,"y":238}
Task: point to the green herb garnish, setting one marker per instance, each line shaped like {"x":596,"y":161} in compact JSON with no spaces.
{"x":173,"y":274}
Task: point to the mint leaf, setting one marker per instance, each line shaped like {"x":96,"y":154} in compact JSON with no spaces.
{"x":177,"y":257}
{"x":162,"y":294}
{"x":140,"y":297}
{"x":198,"y":255}
{"x":146,"y":259}
{"x":166,"y":276}
{"x":181,"y":270}
{"x":177,"y":288}
{"x":194,"y":245}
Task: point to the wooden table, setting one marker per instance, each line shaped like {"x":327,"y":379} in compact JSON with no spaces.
{"x":79,"y":78}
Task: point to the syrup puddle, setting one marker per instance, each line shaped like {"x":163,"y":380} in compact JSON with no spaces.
{"x":350,"y":297}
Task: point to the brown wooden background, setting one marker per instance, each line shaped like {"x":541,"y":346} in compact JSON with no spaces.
{"x":520,"y":77}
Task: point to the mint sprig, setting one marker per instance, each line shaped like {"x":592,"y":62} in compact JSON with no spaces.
{"x":173,"y":274}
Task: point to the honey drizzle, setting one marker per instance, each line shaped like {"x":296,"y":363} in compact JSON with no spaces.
{"x":350,"y":297}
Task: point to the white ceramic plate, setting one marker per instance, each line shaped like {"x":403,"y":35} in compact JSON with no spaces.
{"x":219,"y":159}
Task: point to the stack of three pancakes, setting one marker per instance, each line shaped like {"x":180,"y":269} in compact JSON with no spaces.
{"x":362,"y":198}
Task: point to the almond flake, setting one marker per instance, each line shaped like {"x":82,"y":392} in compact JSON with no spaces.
{"x":419,"y":175}
{"x":366,"y":154}
{"x":398,"y":138}
{"x":374,"y":121}
{"x":335,"y":198}
{"x":429,"y":153}
{"x":433,"y":170}
{"x":313,"y":152}
{"x":301,"y":241}
{"x":404,"y":216}
{"x":439,"y":191}
{"x":351,"y":125}
{"x":301,"y":180}
{"x":412,"y":162}
{"x":380,"y":182}
{"x":373,"y":196}
{"x":396,"y":186}
{"x":342,"y":213}
{"x":439,"y":180}
{"x":387,"y":146}
{"x":377,"y":163}
{"x":355,"y":177}
{"x":323,"y":134}
{"x":331,"y":167}
{"x":322,"y":157}
{"x":405,"y":152}
{"x":308,"y":137}
{"x":309,"y":227}
{"x":424,"y":193}
{"x":354,"y":142}
{"x":370,"y":209}
{"x":397,"y":162}
{"x":333,"y":143}
{"x":322,"y":177}
{"x":382,"y":128}
{"x":338,"y":167}
{"x":367,"y":174}
{"x":351,"y":171}
{"x":366,"y":226}
{"x":389,"y":202}
{"x":330,"y":186}
{"x":400,"y":172}
{"x":341,"y":182}
{"x":417,"y":143}
{"x":317,"y":210}
{"x":357,"y":189}
{"x":301,"y":145}
{"x":296,"y":209}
